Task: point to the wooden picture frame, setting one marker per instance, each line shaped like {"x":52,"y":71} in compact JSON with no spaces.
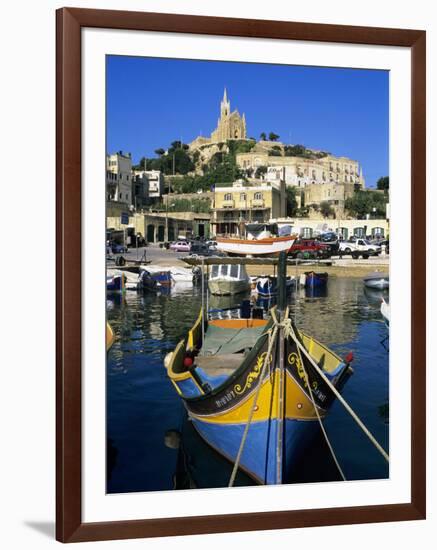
{"x":69,"y":525}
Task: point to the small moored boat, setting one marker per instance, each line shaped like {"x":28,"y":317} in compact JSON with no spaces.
{"x":267,"y":287}
{"x":377,"y":280}
{"x":226,"y":279}
{"x":146,"y":282}
{"x":260,"y":240}
{"x":116,"y":282}
{"x":313,"y":279}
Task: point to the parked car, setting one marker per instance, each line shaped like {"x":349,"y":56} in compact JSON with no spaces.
{"x":180,"y":246}
{"x":331,"y":239}
{"x":202,"y":249}
{"x":117,"y":248}
{"x":308,"y":248}
{"x":361,"y":247}
{"x":212,"y":245}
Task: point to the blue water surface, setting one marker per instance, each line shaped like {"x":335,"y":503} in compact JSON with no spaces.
{"x":150,"y":444}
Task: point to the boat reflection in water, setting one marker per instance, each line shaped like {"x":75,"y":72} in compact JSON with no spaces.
{"x":198,"y":466}
{"x":316,"y":291}
{"x":374,"y":295}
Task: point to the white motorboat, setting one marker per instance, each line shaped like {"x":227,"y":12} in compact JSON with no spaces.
{"x":228,"y":279}
{"x":377,"y":280}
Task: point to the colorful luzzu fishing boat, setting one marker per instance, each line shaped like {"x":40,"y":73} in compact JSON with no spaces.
{"x":252,"y":392}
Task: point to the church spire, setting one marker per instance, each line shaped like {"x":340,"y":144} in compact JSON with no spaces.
{"x":225,"y":107}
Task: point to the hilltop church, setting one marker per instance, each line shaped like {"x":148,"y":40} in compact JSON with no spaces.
{"x":230,"y":125}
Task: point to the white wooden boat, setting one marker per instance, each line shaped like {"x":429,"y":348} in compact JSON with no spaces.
{"x":228,"y":279}
{"x":270,"y":246}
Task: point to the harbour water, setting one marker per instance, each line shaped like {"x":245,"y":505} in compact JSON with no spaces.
{"x":152,"y":446}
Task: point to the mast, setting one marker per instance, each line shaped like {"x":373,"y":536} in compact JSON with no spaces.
{"x":282,"y":281}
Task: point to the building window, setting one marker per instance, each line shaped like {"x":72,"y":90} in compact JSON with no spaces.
{"x":243,"y":197}
{"x":258,"y":196}
{"x":127,"y":196}
{"x":120,"y":195}
{"x":228,"y":197}
{"x":306,"y":232}
{"x":344,"y":232}
{"x":377,"y":232}
{"x":359,"y":232}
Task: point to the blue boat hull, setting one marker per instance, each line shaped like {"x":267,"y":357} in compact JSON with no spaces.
{"x":115,"y":284}
{"x":258,"y":460}
{"x":316,"y":280}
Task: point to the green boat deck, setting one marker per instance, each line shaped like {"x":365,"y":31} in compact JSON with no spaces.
{"x":219,"y":341}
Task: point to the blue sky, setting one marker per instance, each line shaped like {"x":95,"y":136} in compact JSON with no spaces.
{"x":152,"y":102}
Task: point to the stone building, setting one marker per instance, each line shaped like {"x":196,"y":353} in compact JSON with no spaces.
{"x":119,"y":177}
{"x":309,"y":228}
{"x":230,"y":125}
{"x":158,"y":227}
{"x":334,"y":194}
{"x":244,"y":202}
{"x":301,"y":171}
{"x":155,"y":180}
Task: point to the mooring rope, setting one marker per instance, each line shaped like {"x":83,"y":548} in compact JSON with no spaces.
{"x":316,"y":409}
{"x":272,"y":339}
{"x":203,"y":306}
{"x":288,"y":329}
{"x":342,"y":400}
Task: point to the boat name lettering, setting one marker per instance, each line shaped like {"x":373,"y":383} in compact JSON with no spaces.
{"x":225,"y":399}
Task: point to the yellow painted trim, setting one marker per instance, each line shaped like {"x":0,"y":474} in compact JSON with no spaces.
{"x":193,"y":334}
{"x":109,"y":336}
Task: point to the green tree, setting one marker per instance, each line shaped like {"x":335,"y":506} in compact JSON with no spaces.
{"x":291,"y":202}
{"x":260,"y":171}
{"x":275,"y":151}
{"x":383,"y":184}
{"x":273,"y":136}
{"x":366,"y":202}
{"x":159,"y":151}
{"x":263,"y":136}
{"x":295,"y":150}
{"x":326,"y":209}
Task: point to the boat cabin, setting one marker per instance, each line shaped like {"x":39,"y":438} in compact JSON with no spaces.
{"x":237,"y":272}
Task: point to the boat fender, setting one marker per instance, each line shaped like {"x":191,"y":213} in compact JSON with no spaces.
{"x":167,"y":359}
{"x":349,"y":358}
{"x":188,"y":361}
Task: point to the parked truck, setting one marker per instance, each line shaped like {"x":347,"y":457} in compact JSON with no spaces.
{"x":359,"y":247}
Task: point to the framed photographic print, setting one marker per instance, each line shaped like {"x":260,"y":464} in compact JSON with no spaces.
{"x":240,"y":274}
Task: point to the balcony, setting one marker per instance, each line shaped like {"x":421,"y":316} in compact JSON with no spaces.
{"x":228,"y":204}
{"x":258,"y":203}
